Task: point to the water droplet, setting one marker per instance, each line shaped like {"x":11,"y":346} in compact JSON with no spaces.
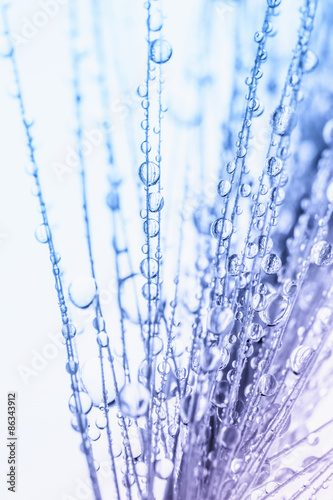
{"x":210,"y":358}
{"x":223,"y":225}
{"x":224,"y":188}
{"x":103,"y":339}
{"x":274,"y":166}
{"x":155,"y":202}
{"x":275,"y":310}
{"x":233,"y":265}
{"x":68,"y":331}
{"x":265,"y":245}
{"x":284,"y":120}
{"x":255,"y":332}
{"x":220,"y":395}
{"x":245,"y":190}
{"x":309,"y":61}
{"x":160,"y":51}
{"x":85,"y":403}
{"x":149,"y":268}
{"x":322,"y":254}
{"x":300,"y":358}
{"x":220,"y":320}
{"x":230,"y":437}
{"x":91,"y":378}
{"x":150,"y":175}
{"x":149,"y":290}
{"x":251,"y":250}
{"x":273,"y":3}
{"x":164,"y":468}
{"x":134,"y":400}
{"x":151,"y":227}
{"x":230,"y":167}
{"x":260,"y":210}
{"x":82,"y":291}
{"x":271,"y":263}
{"x":267,"y":385}
{"x":42,"y":233}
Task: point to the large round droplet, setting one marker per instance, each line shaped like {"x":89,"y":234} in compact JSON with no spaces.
{"x":91,"y":378}
{"x":274,"y":166}
{"x":149,"y":175}
{"x":255,"y":332}
{"x":221,"y":225}
{"x":276,"y":309}
{"x":210,"y":358}
{"x":149,"y":268}
{"x":85,"y":403}
{"x":164,"y":468}
{"x":220,"y":320}
{"x":267,"y":384}
{"x":220,"y":395}
{"x":151,"y":227}
{"x":230,"y":437}
{"x":82,"y":291}
{"x":160,"y":51}
{"x":300,"y":358}
{"x":134,"y":400}
{"x":322,"y":254}
{"x":42,"y":233}
{"x":224,"y":188}
{"x":155,"y":202}
{"x":271,"y":263}
{"x":284,"y":120}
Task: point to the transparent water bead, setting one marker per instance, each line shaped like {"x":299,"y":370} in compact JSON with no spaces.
{"x":221,"y":225}
{"x":274,"y":166}
{"x":267,"y":385}
{"x":276,"y":309}
{"x":160,"y":51}
{"x":251,"y":250}
{"x":149,"y":267}
{"x":82,"y":291}
{"x":134,"y":400}
{"x":322,"y":253}
{"x":164,"y":468}
{"x":85,"y":401}
{"x":230,"y":437}
{"x":220,"y":395}
{"x":42,"y":233}
{"x":273,"y":3}
{"x":224,"y":188}
{"x":149,"y":175}
{"x":155,"y":202}
{"x":271,"y":263}
{"x":300,"y":358}
{"x":284,"y":120}
{"x":91,"y":378}
{"x":309,"y":61}
{"x":220,"y":320}
{"x":210,"y":358}
{"x":151,"y":227}
{"x":255,"y":332}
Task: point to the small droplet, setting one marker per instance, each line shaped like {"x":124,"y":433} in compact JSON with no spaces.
{"x":155,"y":202}
{"x":164,"y":468}
{"x":160,"y":51}
{"x":245,"y":190}
{"x":309,"y":61}
{"x":151,"y":228}
{"x":230,"y":437}
{"x":149,"y":268}
{"x":255,"y":332}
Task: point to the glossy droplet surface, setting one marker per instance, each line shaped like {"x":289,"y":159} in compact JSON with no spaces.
{"x":82,"y":291}
{"x":134,"y":400}
{"x":42,"y":233}
{"x":155,"y":202}
{"x":149,"y":268}
{"x":267,"y":385}
{"x":300,"y":358}
{"x":276,"y":309}
{"x":220,"y":320}
{"x":322,"y":254}
{"x":149,"y":175}
{"x":221,"y":225}
{"x":160,"y":51}
{"x":284,"y":120}
{"x":271,"y":263}
{"x":224,"y":188}
{"x":274,"y":166}
{"x":164,"y":468}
